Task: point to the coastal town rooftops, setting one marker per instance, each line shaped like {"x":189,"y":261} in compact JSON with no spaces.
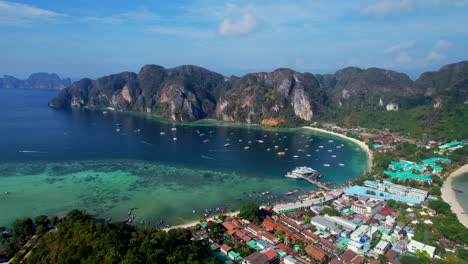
{"x":316,"y":252}
{"x":361,"y":190}
{"x":271,"y":254}
{"x":257,"y":258}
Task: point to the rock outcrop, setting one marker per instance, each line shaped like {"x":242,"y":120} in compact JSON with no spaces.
{"x":36,"y":81}
{"x":281,"y":97}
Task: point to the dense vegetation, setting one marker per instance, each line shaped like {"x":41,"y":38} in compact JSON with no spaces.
{"x":79,"y":238}
{"x":448,"y":122}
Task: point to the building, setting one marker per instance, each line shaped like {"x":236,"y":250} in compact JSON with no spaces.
{"x":256,"y":258}
{"x":263,"y":257}
{"x":415,"y":245}
{"x":397,"y":189}
{"x":369,"y":208}
{"x":359,"y":233}
{"x":301,"y":205}
{"x":382,"y":247}
{"x":273,"y":257}
{"x":254,"y":229}
{"x":334,"y":225}
{"x":270,"y":238}
{"x":354,"y":246}
{"x":291,"y":260}
{"x":362,"y":190}
{"x":225,"y":249}
{"x":316,"y":252}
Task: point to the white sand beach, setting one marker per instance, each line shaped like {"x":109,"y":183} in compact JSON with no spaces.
{"x":363,"y":145}
{"x":194,"y":223}
{"x":448,"y":194}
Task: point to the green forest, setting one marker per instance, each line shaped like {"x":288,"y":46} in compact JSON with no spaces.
{"x":79,"y":238}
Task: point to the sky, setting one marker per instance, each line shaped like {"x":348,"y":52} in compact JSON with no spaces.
{"x":92,"y":38}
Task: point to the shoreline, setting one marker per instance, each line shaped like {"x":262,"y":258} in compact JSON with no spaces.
{"x":194,"y":223}
{"x":449,"y":195}
{"x":362,"y":144}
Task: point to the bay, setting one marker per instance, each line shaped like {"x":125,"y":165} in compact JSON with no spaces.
{"x":106,"y":162}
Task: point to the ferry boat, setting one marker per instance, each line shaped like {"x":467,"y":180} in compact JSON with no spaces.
{"x":299,"y":172}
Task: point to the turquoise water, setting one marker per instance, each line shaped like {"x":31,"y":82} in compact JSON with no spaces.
{"x":52,"y":161}
{"x":461,"y":183}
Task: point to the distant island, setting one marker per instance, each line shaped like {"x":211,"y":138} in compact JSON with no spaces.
{"x":373,"y":98}
{"x":40,"y":80}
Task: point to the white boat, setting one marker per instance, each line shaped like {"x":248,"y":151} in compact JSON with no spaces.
{"x":117,"y":129}
{"x":320,"y":146}
{"x":330,"y":141}
{"x":227,"y":145}
{"x":295,"y":156}
{"x":276,"y":147}
{"x":300,"y":172}
{"x":247,"y":147}
{"x":330,"y":150}
{"x":240,"y":140}
{"x":333,"y":156}
{"x":173,"y":129}
{"x":326,"y":165}
{"x":250,"y":142}
{"x":260,"y":141}
{"x":341,"y":164}
{"x":162,"y":133}
{"x":304,"y":170}
{"x":268,"y":149}
{"x":308,"y":155}
{"x":174,"y":138}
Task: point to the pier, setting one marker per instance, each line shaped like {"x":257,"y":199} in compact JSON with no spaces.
{"x":316,"y":183}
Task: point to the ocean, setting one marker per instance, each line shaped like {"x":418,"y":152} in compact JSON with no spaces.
{"x":108,"y":162}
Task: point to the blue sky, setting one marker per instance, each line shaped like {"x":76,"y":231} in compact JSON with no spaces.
{"x":92,"y":38}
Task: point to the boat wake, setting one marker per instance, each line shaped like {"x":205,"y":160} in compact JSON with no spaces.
{"x":147,"y":143}
{"x":32,"y":151}
{"x":206,"y":157}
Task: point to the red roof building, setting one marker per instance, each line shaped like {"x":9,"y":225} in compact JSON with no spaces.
{"x":225,"y":249}
{"x":386,"y":211}
{"x":286,"y":249}
{"x":269,"y":224}
{"x":229,"y":225}
{"x":317,"y":252}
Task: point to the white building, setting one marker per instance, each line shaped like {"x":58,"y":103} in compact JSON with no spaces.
{"x":354,"y":246}
{"x":369,"y":208}
{"x":381,"y":247}
{"x":415,"y":245}
{"x":360,"y":232}
{"x":390,"y":187}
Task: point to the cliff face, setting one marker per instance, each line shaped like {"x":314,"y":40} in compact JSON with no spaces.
{"x":272,"y":97}
{"x":281,"y":97}
{"x":185,"y":93}
{"x":36,"y":81}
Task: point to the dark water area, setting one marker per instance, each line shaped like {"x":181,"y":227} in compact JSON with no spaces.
{"x":106,"y":162}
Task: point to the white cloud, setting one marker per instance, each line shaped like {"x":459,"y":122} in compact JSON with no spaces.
{"x":443,"y":44}
{"x":401,"y":46}
{"x":136,"y":16}
{"x":388,"y":7}
{"x":434,"y":56}
{"x":182,"y":31}
{"x":14,"y":14}
{"x":245,"y":24}
{"x":403,"y":58}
